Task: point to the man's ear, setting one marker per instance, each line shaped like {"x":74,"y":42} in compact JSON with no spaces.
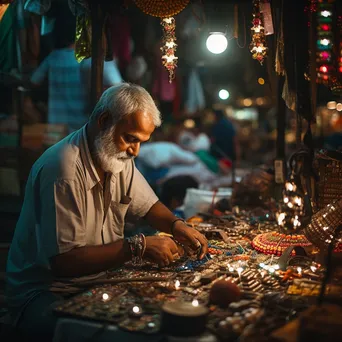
{"x":102,"y":121}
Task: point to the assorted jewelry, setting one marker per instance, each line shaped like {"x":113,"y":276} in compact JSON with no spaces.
{"x":231,"y":281}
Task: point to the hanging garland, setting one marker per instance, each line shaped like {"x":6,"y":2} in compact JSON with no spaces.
{"x":258,"y":46}
{"x":325,"y":65}
{"x":168,"y":49}
{"x":165,"y":10}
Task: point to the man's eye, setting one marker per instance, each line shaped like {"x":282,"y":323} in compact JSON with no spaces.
{"x":130,"y":139}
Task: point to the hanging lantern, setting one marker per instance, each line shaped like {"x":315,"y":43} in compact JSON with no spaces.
{"x":291,"y":210}
{"x":165,"y":10}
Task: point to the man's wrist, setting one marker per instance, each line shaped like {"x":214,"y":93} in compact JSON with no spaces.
{"x":173,"y":225}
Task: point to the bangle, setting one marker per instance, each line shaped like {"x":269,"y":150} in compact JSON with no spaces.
{"x":137,"y":245}
{"x":173,"y":224}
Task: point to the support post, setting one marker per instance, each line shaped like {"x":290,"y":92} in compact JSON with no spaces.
{"x":97,"y":51}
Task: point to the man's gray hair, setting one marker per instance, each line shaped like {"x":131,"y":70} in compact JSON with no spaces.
{"x":126,"y":99}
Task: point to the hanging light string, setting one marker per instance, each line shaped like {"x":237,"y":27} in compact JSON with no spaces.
{"x":169,"y":47}
{"x":325,"y":41}
{"x":258,"y":46}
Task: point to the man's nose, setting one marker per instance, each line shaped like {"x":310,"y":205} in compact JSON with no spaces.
{"x":134,"y":149}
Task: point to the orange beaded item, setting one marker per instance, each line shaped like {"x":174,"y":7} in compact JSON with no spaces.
{"x":276,"y":243}
{"x":161,"y":8}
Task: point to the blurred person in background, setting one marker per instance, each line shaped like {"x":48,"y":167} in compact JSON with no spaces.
{"x":173,"y":192}
{"x":68,"y":80}
{"x":224,"y":138}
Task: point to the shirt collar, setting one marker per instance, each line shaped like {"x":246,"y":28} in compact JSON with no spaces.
{"x":92,"y":175}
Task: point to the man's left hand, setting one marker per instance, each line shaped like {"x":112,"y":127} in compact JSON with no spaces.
{"x":191,"y":238}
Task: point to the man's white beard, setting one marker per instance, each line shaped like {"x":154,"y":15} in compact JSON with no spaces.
{"x":107,"y":154}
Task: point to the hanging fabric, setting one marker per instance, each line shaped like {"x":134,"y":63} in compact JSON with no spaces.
{"x":83,"y":37}
{"x":8,"y":54}
{"x":195,"y":100}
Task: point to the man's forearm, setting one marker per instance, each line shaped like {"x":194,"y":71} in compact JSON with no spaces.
{"x":90,"y":259}
{"x":160,"y":217}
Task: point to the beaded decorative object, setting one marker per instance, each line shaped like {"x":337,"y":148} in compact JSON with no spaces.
{"x":276,"y":243}
{"x":161,"y":8}
{"x":323,"y":224}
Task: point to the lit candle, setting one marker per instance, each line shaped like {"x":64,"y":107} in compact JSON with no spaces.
{"x":239,"y":271}
{"x":299,"y":270}
{"x":136,"y":311}
{"x":195,"y":302}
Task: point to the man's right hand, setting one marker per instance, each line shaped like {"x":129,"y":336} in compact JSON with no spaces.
{"x":162,"y":250}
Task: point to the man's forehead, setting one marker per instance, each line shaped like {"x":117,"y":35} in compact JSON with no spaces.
{"x":138,"y":120}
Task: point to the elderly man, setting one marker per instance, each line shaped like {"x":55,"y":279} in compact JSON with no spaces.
{"x":79,"y":194}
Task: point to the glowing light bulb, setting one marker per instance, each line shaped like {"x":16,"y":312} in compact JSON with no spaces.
{"x":239,"y":270}
{"x":170,"y":44}
{"x":325,"y":41}
{"x":299,"y":270}
{"x":105,"y":296}
{"x":136,"y":309}
{"x":169,"y":58}
{"x":281,"y":218}
{"x":195,"y":302}
{"x":223,"y":94}
{"x":323,"y":68}
{"x":313,"y":268}
{"x":331,"y":105}
{"x":326,"y":14}
{"x":259,"y":49}
{"x":177,"y":284}
{"x":217,"y":42}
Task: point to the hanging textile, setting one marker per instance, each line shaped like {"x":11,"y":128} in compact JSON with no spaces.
{"x":195,"y":100}
{"x":8,"y":54}
{"x":120,"y":32}
{"x":3,"y":9}
{"x":296,"y":58}
{"x":83,"y":37}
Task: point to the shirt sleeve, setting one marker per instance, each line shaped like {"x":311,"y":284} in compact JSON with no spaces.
{"x":41,"y":72}
{"x":62,"y":217}
{"x":111,"y":74}
{"x":143,"y":197}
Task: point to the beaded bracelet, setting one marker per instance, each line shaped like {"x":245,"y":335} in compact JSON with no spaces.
{"x":137,"y":245}
{"x":173,"y":224}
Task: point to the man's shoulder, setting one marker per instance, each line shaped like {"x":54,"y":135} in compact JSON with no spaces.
{"x":61,"y":161}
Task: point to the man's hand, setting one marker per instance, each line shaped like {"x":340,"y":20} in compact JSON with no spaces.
{"x":191,"y":238}
{"x":162,"y":250}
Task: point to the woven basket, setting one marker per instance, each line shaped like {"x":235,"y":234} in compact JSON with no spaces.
{"x":329,"y":167}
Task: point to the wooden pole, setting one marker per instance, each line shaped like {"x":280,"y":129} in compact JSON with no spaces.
{"x":97,"y":52}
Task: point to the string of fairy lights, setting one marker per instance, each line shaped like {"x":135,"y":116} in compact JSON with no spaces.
{"x":258,"y":45}
{"x":324,"y":54}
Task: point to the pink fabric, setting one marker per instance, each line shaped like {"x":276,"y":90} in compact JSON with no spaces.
{"x":120,"y":34}
{"x":162,"y":89}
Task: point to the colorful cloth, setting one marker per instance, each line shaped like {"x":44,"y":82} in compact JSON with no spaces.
{"x":8,"y":54}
